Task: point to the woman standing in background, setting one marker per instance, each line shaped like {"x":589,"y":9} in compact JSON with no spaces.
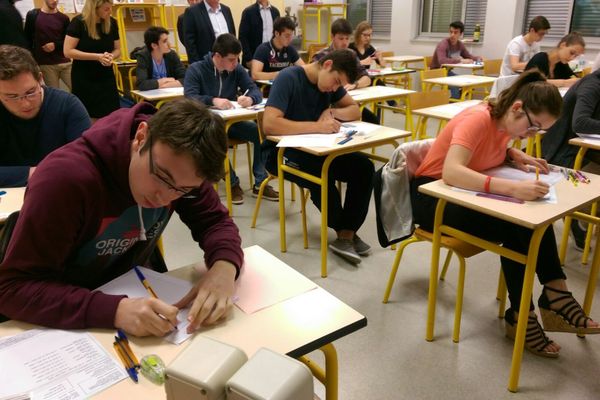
{"x":92,"y":42}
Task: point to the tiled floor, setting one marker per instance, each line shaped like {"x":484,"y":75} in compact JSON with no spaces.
{"x":390,"y":359}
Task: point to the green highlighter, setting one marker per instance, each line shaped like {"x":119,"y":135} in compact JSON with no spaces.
{"x":153,"y":368}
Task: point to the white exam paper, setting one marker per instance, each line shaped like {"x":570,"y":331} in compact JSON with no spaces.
{"x":53,"y":364}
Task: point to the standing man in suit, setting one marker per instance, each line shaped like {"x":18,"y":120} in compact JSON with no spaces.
{"x":11,"y":25}
{"x":256,"y":27}
{"x":180,"y":28}
{"x":202,"y":23}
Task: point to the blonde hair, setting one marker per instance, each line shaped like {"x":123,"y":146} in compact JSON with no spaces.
{"x":89,"y":14}
{"x":360,"y":28}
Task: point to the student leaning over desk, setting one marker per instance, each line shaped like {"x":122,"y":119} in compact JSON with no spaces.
{"x":476,"y":140}
{"x":96,"y":207}
{"x":523,"y":47}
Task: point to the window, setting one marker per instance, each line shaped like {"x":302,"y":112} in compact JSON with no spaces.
{"x":377,"y":12}
{"x":565,"y":16}
{"x":436,"y":15}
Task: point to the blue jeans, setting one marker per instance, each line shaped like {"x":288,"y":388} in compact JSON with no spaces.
{"x":454,"y":91}
{"x":248,"y":131}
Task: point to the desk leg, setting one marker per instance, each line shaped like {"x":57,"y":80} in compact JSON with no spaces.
{"x":532,"y":255}
{"x":329,"y":377}
{"x":435,"y":261}
{"x":282,"y":242}
{"x":324,"y":210}
{"x":591,"y":286}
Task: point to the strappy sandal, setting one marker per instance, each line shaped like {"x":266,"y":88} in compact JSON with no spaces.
{"x":536,"y":340}
{"x":568,"y":318}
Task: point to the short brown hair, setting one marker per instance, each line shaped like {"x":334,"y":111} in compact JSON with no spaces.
{"x":539,"y":23}
{"x":189,"y":128}
{"x":572,"y":39}
{"x":16,"y":60}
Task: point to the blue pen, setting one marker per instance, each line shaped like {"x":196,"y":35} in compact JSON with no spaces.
{"x":2,"y":192}
{"x":149,"y":289}
{"x":349,"y":135}
{"x":130,"y":370}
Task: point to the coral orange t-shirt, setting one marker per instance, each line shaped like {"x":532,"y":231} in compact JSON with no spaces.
{"x":474,"y":129}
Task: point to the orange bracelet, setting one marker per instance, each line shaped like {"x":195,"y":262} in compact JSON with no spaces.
{"x":486,"y":185}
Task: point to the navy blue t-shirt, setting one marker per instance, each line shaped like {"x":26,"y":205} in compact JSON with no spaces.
{"x":275,"y":60}
{"x":298,"y":98}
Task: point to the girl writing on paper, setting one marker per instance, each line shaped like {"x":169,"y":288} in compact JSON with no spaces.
{"x":476,"y":140}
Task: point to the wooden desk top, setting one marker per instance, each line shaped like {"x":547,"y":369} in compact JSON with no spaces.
{"x":294,"y":327}
{"x":159,"y":94}
{"x":531,"y":214}
{"x":471,"y":66}
{"x":446,"y":111}
{"x":10,"y":202}
{"x":381,"y":135}
{"x":462,"y":80}
{"x":588,"y":143}
{"x":388,"y":71}
{"x":404,"y":59}
{"x":376,"y":93}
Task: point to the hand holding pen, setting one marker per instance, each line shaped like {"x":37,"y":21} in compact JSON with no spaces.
{"x":244,"y":101}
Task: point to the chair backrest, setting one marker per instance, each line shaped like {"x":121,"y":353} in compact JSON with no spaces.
{"x":502,"y":83}
{"x":492,"y":67}
{"x":314,"y":48}
{"x":385,"y":54}
{"x":418,"y":100}
{"x":586,"y":71}
{"x":259,"y":124}
{"x":429,"y":74}
{"x":427,"y":62}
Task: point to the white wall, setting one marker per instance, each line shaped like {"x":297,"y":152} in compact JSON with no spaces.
{"x":504,"y":20}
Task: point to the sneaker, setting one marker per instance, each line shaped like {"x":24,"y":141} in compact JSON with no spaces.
{"x":237,"y":195}
{"x":578,"y":234}
{"x":345,"y":249}
{"x":268,"y":194}
{"x":361,"y":247}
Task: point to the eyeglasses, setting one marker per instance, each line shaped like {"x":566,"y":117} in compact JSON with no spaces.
{"x":30,"y":95}
{"x":185,"y":193}
{"x":533,"y":128}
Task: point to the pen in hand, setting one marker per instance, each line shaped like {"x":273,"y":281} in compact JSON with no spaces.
{"x":537,"y":173}
{"x":149,"y":289}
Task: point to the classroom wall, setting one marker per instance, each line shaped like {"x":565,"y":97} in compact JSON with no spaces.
{"x":504,"y":20}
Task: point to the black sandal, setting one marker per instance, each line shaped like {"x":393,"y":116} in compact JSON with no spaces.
{"x":568,"y":318}
{"x":536,"y":340}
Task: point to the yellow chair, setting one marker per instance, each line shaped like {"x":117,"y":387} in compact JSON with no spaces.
{"x":492,"y":67}
{"x":270,"y":177}
{"x":430,"y":74}
{"x":427,"y":62}
{"x":314,"y":49}
{"x":418,"y":100}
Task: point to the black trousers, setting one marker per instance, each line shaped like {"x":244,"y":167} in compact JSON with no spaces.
{"x":511,"y":236}
{"x":355,"y":169}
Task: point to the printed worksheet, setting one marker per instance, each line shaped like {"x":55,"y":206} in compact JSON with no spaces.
{"x":53,"y":364}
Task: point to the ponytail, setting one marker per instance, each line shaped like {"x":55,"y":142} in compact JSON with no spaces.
{"x":536,"y":93}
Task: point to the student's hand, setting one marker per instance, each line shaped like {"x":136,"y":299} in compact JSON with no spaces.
{"x":351,"y":86}
{"x":48,"y":47}
{"x":525,"y":162}
{"x":222,"y":104}
{"x":211,"y":297}
{"x":529,"y":190}
{"x":466,"y":61}
{"x":244,"y":101}
{"x":569,"y":82}
{"x":366,"y":62}
{"x":139,"y":316}
{"x":163,"y":82}
{"x":328,"y":125}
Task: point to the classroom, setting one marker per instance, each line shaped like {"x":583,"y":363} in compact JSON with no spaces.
{"x":395,"y":199}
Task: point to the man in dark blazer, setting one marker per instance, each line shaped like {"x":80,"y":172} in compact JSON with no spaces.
{"x":251,"y":27}
{"x":180,"y":29}
{"x":201,"y":29}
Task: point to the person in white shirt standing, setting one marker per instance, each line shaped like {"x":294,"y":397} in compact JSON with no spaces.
{"x":520,"y":50}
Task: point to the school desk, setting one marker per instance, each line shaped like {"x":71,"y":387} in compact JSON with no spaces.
{"x":444,"y":113}
{"x":536,"y":216}
{"x":403,"y":61}
{"x":379,"y":74}
{"x":10,"y":202}
{"x":465,"y":82}
{"x":160,"y":96}
{"x":470,"y":66}
{"x":297,"y":326}
{"x":377,"y":94}
{"x":584,"y":145}
{"x":381,"y":136}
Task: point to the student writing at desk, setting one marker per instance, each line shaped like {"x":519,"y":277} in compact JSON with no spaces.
{"x":555,"y":63}
{"x":520,"y":50}
{"x":35,"y":119}
{"x":300,"y":102}
{"x":215,"y":81}
{"x":96,"y":207}
{"x":273,"y":56}
{"x":476,"y":140}
{"x":157,"y":65}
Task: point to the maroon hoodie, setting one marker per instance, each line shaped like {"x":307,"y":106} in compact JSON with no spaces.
{"x":79,"y":228}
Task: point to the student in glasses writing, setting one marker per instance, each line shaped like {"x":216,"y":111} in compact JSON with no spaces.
{"x":96,"y":207}
{"x":35,"y":119}
{"x":476,"y":140}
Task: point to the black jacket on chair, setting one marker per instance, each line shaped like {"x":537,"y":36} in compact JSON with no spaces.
{"x":251,"y":27}
{"x":198,"y":31}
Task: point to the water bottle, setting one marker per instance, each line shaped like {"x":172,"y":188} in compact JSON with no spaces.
{"x":477,"y":33}
{"x":580,"y":63}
